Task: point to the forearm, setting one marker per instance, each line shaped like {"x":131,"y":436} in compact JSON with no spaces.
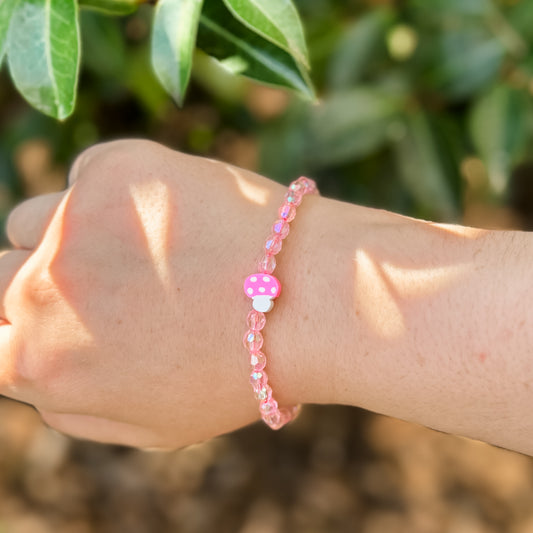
{"x":427,"y":323}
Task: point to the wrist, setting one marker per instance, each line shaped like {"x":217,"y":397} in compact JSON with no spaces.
{"x":302,"y":330}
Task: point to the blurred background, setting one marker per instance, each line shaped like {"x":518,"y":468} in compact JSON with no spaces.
{"x":425,"y":108}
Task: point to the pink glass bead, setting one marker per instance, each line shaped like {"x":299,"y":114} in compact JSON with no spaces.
{"x":265,"y":393}
{"x":274,"y":420}
{"x":287,"y":212}
{"x":268,"y":406}
{"x":304,"y":185}
{"x":281,"y":227}
{"x":293,"y":198}
{"x":267,"y":264}
{"x":258,"y":379}
{"x":297,"y":186}
{"x":253,"y":340}
{"x":258,"y":360}
{"x":273,"y":244}
{"x":256,"y":320}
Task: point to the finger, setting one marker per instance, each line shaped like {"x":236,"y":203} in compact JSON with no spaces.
{"x":27,"y":223}
{"x":101,"y":429}
{"x":85,"y":158}
{"x":10,"y":385}
{"x":10,"y":263}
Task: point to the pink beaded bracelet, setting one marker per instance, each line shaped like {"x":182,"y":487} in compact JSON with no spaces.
{"x":263,"y":287}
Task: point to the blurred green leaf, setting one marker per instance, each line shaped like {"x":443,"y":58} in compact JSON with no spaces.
{"x":424,"y":167}
{"x":43,"y":54}
{"x":440,"y":8}
{"x":222,"y":36}
{"x":351,"y":125}
{"x":111,"y":7}
{"x":284,"y":149}
{"x":141,"y":81}
{"x":276,"y":20}
{"x":520,"y":16}
{"x":498,"y":123}
{"x":103,"y":44}
{"x":464,"y":61}
{"x":6,"y":11}
{"x":173,"y":41}
{"x":357,"y":48}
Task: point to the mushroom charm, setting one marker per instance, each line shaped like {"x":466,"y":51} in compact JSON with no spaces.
{"x":262,"y":288}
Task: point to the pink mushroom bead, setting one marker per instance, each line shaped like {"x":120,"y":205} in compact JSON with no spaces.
{"x":262,"y":288}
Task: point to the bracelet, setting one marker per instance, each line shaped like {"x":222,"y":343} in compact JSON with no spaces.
{"x":263,"y":287}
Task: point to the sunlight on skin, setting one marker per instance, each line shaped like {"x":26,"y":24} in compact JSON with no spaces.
{"x":412,"y":283}
{"x":40,"y":262}
{"x":375,"y":302}
{"x":254,"y":193}
{"x":388,"y":282}
{"x":461,"y":231}
{"x":151,"y":204}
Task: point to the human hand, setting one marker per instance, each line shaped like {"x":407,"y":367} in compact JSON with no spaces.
{"x":123,"y":298}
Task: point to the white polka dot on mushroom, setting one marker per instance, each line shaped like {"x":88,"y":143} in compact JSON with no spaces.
{"x":253,"y":279}
{"x":266,"y":279}
{"x":261,"y":289}
{"x":273,"y":290}
{"x":250,"y":290}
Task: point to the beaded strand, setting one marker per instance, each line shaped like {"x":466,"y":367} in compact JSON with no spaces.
{"x":263,"y":287}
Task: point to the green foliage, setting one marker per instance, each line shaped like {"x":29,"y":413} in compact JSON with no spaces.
{"x":173,"y":42}
{"x":275,"y":20}
{"x":224,"y":38}
{"x":265,"y":41}
{"x":407,"y":92}
{"x":6,"y":12}
{"x":410,"y":92}
{"x":43,"y":54}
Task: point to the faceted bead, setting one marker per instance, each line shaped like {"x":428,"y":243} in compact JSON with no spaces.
{"x":287,"y":212}
{"x":252,"y":340}
{"x":308,"y":185}
{"x":293,"y":198}
{"x":273,"y":244}
{"x":268,"y":406}
{"x":265,"y":393}
{"x":267,"y":264}
{"x":256,"y":320}
{"x":258,"y":360}
{"x":274,"y":420}
{"x":258,"y":379}
{"x":298,"y":186}
{"x":281,"y":227}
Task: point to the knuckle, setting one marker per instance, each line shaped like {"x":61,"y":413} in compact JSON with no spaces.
{"x":39,"y":291}
{"x":115,"y":158}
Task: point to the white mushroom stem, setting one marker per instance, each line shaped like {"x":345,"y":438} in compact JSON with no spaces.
{"x":263,"y":303}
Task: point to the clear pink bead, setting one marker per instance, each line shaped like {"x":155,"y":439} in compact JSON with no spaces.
{"x":268,"y":406}
{"x":267,"y":264}
{"x":274,"y":420}
{"x":273,"y":244}
{"x":265,"y":393}
{"x":287,"y":212}
{"x":258,"y":379}
{"x":252,"y":340}
{"x":258,"y":360}
{"x":281,"y":227}
{"x":293,"y":198}
{"x":298,"y":186}
{"x":256,"y":320}
{"x":308,"y":186}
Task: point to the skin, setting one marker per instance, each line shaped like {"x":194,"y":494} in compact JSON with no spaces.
{"x":123,"y":307}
